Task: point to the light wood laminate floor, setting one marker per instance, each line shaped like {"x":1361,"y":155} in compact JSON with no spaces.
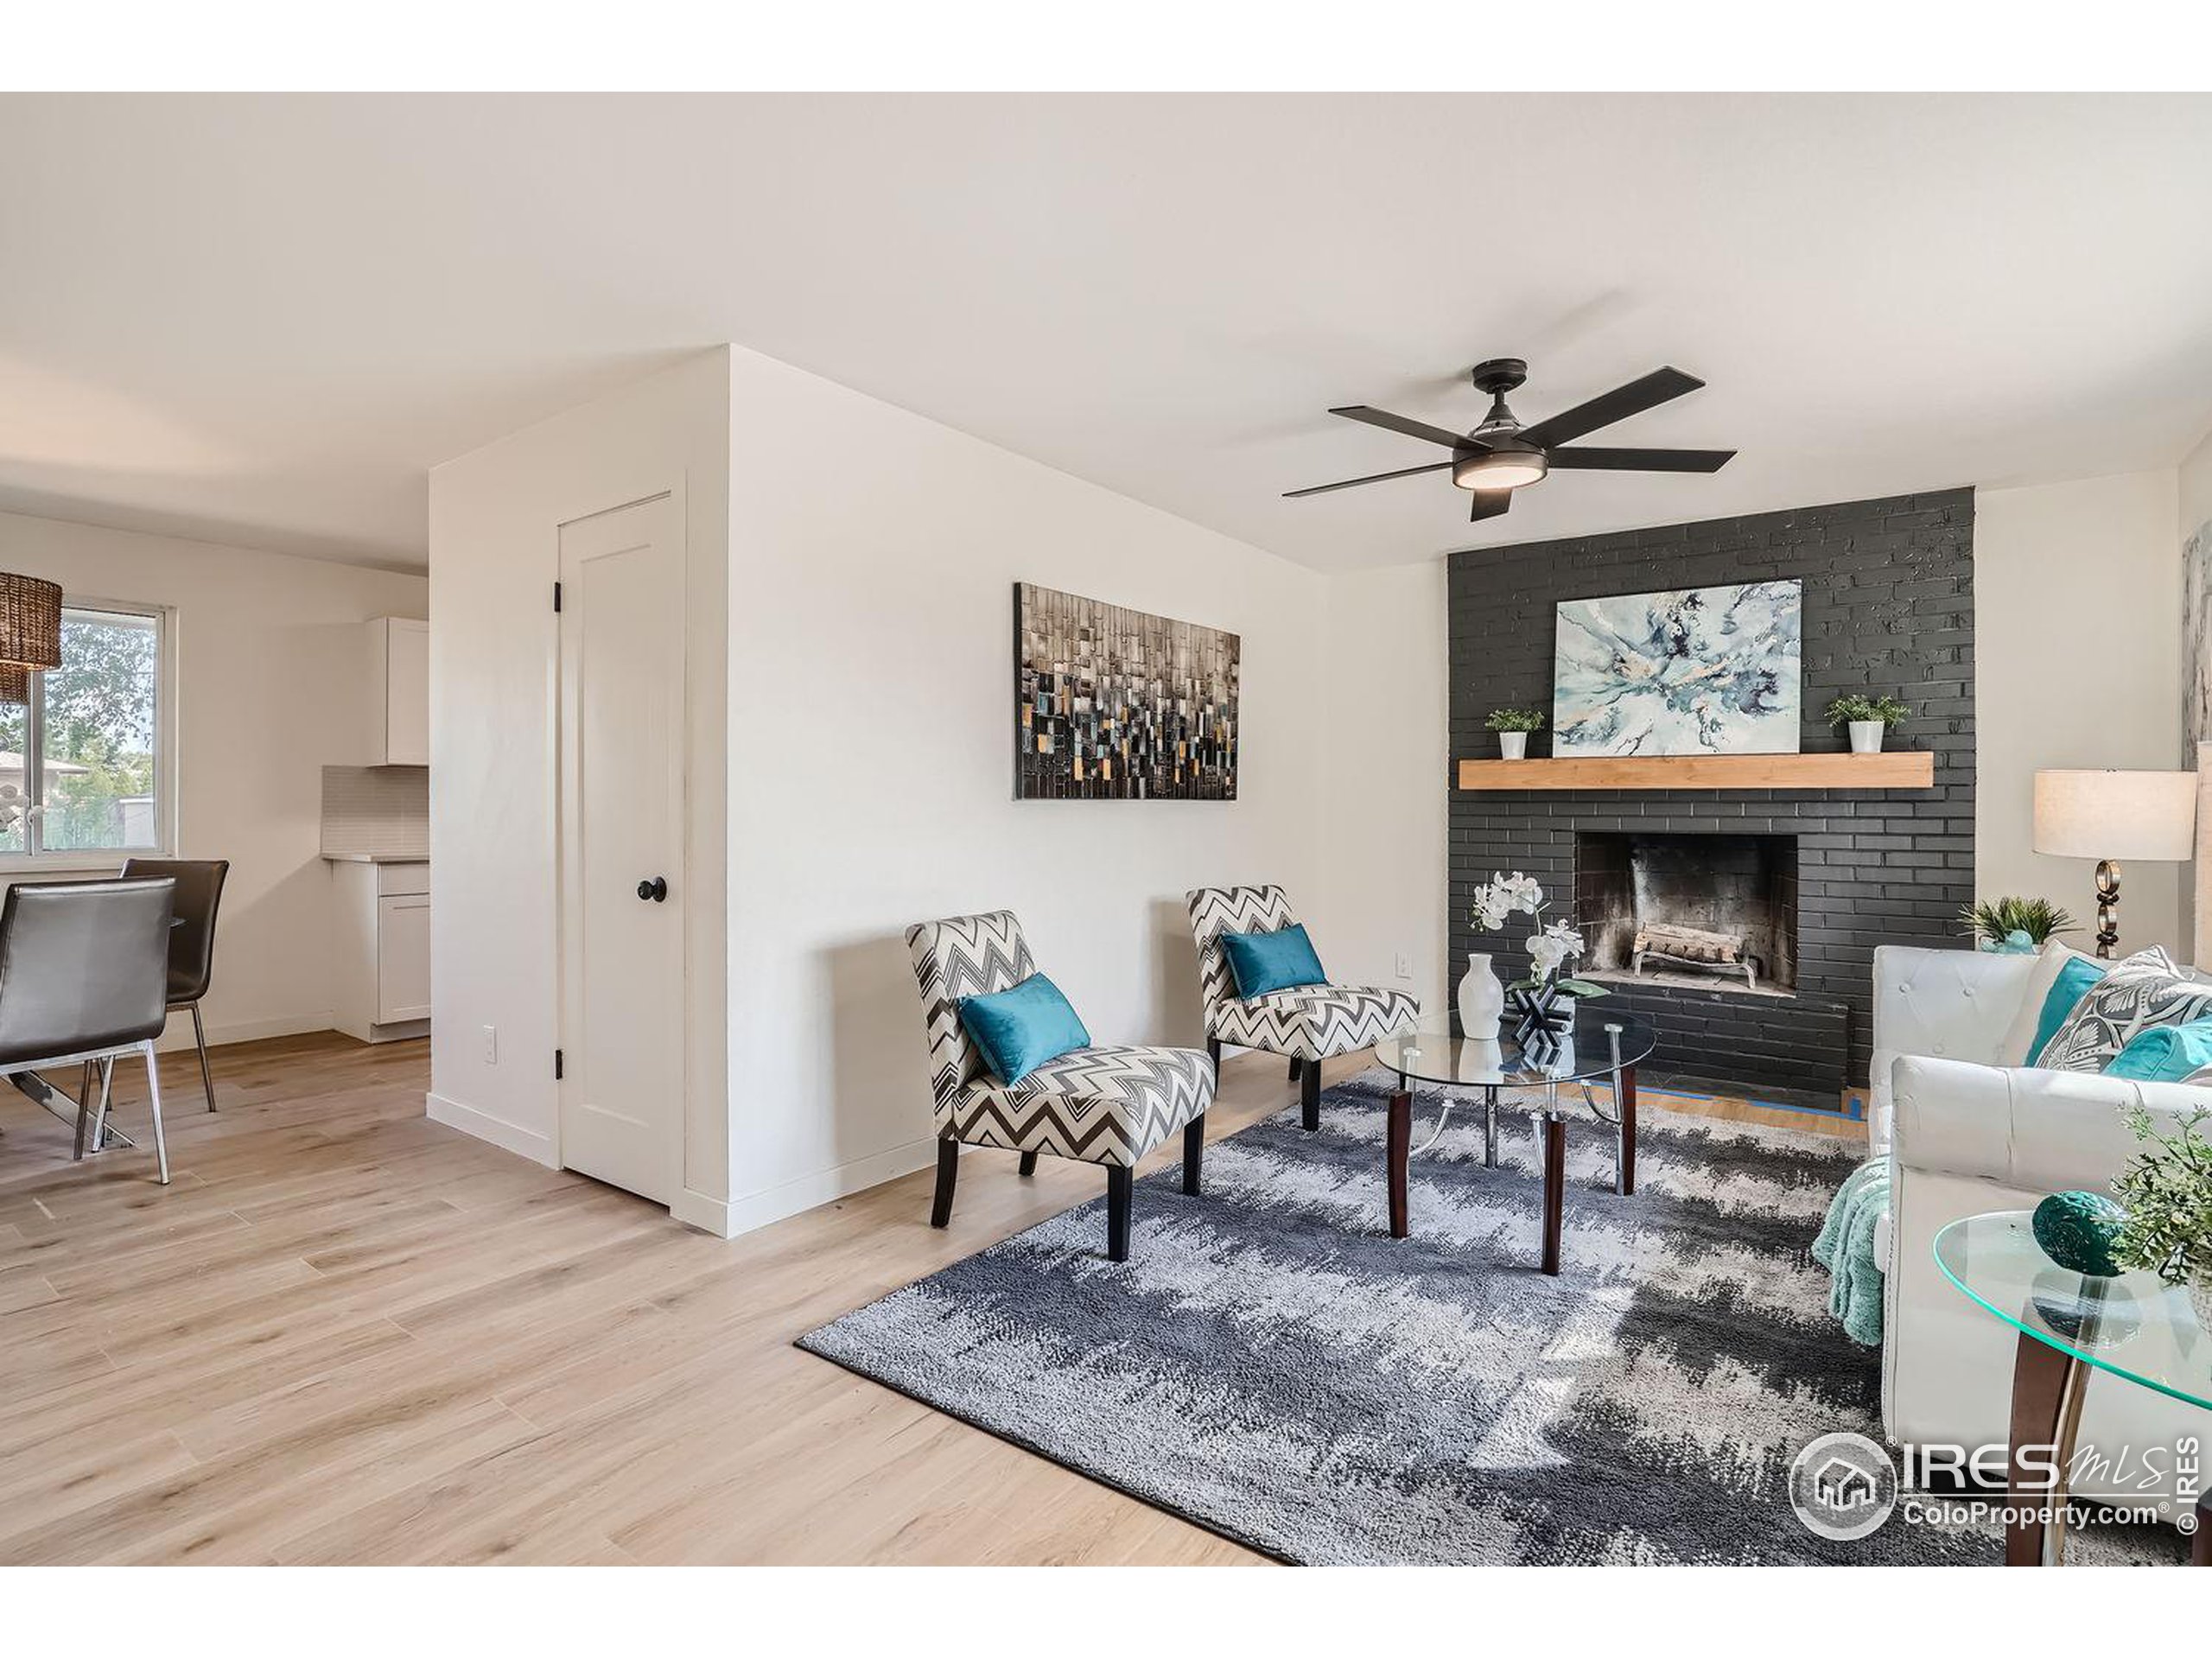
{"x":346,"y":1334}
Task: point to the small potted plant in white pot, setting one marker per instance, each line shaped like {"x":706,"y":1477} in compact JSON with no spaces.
{"x":2166,"y":1190}
{"x":1513,"y":726}
{"x":1868,"y":718}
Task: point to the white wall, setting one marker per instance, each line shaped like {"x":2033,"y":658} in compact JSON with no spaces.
{"x":495,"y":516}
{"x":2077,"y":646}
{"x":268,"y":680}
{"x":2195,"y":478}
{"x":874,"y":555}
{"x":1384,"y":874}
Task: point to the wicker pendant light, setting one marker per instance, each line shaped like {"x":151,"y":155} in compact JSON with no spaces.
{"x":15,"y":684}
{"x":30,"y":621}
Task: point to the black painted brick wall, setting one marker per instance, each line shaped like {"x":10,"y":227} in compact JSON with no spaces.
{"x":1888,"y":607}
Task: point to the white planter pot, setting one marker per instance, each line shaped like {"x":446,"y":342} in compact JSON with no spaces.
{"x":1866,"y":736}
{"x":1482,"y":999}
{"x":2200,"y":1300}
{"x":1513,"y":746}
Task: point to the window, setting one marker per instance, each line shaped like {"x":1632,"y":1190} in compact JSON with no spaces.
{"x":89,"y":751}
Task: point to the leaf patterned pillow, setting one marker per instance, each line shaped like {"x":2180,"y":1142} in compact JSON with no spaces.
{"x":2135,"y":996}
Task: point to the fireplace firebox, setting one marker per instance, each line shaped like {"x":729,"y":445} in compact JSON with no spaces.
{"x":1696,"y":910}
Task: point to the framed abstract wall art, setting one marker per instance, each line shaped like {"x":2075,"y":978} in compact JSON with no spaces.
{"x":1691,"y":670}
{"x":1115,"y":704}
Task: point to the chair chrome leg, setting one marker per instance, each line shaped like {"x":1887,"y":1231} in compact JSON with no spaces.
{"x":199,"y":1037}
{"x":86,"y":1085}
{"x":154,"y":1093}
{"x":106,"y":1086}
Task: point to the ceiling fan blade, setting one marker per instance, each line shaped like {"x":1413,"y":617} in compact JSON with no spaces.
{"x":1491,"y":504}
{"x":1390,"y":422}
{"x":1372,"y":478}
{"x":1660,"y":386}
{"x":1641,"y":461}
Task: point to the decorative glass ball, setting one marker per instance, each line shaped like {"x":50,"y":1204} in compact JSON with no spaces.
{"x":2079,"y":1230}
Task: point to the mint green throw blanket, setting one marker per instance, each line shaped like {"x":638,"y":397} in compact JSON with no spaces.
{"x":1845,"y":1248}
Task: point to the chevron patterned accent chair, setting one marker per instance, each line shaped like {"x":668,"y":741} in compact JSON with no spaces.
{"x":1307,"y":1025}
{"x":1109,"y":1104}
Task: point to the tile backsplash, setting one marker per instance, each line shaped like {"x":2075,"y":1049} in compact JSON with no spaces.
{"x":382,"y":812}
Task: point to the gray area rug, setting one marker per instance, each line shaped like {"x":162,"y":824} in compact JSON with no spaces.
{"x":1271,"y":1364}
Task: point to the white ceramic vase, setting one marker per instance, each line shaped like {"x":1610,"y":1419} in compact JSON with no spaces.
{"x":1513,"y":746}
{"x":1866,"y":736}
{"x":1482,"y":999}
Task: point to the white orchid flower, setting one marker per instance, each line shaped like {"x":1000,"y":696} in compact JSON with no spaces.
{"x":1567,"y":937}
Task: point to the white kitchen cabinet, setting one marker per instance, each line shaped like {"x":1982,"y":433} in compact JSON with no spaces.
{"x":382,"y":985}
{"x":396,"y":694}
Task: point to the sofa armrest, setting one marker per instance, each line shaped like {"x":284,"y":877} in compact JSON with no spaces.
{"x":2037,"y":1130}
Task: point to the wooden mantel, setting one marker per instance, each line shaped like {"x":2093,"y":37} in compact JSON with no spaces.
{"x":1891,"y":769}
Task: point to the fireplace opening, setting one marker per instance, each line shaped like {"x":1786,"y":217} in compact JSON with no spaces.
{"x":1702,"y":911}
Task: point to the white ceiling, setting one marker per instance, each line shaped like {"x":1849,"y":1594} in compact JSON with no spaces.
{"x":261,"y":318}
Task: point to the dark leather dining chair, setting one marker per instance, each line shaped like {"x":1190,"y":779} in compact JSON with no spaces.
{"x":84,"y":974}
{"x":192,"y":941}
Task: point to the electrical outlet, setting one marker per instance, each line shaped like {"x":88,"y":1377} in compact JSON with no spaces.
{"x":1405,"y":966}
{"x":491,"y":1045}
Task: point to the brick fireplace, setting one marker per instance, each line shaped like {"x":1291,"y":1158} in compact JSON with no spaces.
{"x":1812,"y":879}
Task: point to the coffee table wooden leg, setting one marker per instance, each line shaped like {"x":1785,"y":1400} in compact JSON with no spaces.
{"x":1553,"y":1127}
{"x":2047,"y":1388}
{"x":1400,"y":1153}
{"x":1624,"y":1103}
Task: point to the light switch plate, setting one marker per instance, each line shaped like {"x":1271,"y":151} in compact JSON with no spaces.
{"x":491,"y":1045}
{"x":1405,"y":966}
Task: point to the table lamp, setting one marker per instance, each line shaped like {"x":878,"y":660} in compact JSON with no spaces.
{"x":2112,"y":816}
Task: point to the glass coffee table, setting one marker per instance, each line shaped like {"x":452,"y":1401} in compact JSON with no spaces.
{"x":2131,"y":1326}
{"x":1604,"y":1044}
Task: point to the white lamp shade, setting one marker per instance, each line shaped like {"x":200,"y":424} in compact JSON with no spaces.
{"x":2116,"y":814}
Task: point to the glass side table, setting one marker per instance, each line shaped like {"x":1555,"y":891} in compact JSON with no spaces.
{"x":1604,"y":1044}
{"x":2071,"y":1325}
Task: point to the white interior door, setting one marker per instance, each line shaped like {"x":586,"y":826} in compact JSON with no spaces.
{"x":622,"y":720}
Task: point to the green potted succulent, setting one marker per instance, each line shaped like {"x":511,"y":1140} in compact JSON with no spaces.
{"x":2166,"y":1190}
{"x":2012,"y":925}
{"x":1868,"y":718}
{"x":1513,"y":726}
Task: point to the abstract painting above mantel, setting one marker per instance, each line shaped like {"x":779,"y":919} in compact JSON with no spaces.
{"x":1690,"y":670}
{"x":1115,"y":704}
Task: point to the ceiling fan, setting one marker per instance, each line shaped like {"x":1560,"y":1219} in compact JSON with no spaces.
{"x":1502,"y":455}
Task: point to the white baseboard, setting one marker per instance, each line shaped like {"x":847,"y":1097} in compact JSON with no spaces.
{"x":179,"y":1031}
{"x":707,"y":1215}
{"x":775,"y":1203}
{"x":527,"y":1143}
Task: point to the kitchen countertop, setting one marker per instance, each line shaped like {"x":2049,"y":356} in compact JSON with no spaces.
{"x":378,"y":858}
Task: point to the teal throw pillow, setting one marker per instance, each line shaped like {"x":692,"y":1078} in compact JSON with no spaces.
{"x":2163,"y":1054}
{"x":2070,"y":987}
{"x":1021,"y":1029}
{"x":1272,"y":962}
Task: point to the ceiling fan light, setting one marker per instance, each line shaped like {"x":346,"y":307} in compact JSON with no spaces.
{"x":1501,"y":468}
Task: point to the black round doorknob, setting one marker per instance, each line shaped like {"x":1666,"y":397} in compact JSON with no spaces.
{"x":656,"y":889}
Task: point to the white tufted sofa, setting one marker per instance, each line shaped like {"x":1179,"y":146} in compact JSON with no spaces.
{"x":1965,"y":1136}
